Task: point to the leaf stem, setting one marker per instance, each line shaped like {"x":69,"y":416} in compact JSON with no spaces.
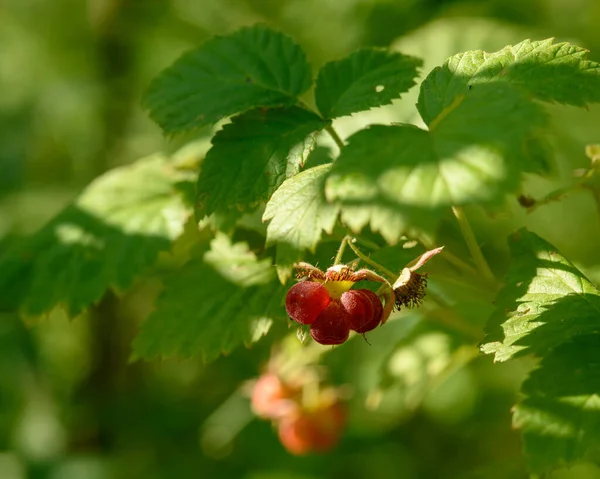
{"x":555,"y":195}
{"x":451,"y":258}
{"x":443,"y":313}
{"x":471,"y":241}
{"x":460,"y":264}
{"x":338,"y":141}
{"x":367,"y":243}
{"x":329,"y":128}
{"x":390,"y":274}
{"x":340,"y":251}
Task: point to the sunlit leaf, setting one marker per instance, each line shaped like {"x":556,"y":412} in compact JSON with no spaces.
{"x":252,"y":67}
{"x":365,"y":79}
{"x":546,"y":301}
{"x":547,"y":71}
{"x":560,"y":417}
{"x":253,"y":155}
{"x":470,"y":154}
{"x":212,"y":305}
{"x":299,"y":213}
{"x":105,"y":239}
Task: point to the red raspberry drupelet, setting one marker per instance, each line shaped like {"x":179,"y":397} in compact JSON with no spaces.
{"x":332,"y":309}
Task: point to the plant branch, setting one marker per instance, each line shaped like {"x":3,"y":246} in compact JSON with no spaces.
{"x":390,"y":274}
{"x":472,"y":244}
{"x":340,"y":251}
{"x":338,"y":141}
{"x":451,"y":258}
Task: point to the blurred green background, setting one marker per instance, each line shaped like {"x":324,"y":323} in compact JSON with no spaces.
{"x":72,"y":73}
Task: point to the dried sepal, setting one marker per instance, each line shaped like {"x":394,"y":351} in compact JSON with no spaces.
{"x":308,"y":271}
{"x":368,"y":275}
{"x":339,"y":272}
{"x":410,"y":289}
{"x":416,"y":263}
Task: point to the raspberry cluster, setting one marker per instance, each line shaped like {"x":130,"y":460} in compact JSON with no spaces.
{"x":325,"y":301}
{"x":301,"y":429}
{"x":331,"y":318}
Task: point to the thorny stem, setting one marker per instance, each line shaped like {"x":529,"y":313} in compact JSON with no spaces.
{"x":340,"y":251}
{"x":559,"y":194}
{"x":390,"y":274}
{"x":556,"y":195}
{"x":471,"y":241}
{"x":367,"y":243}
{"x":583,"y":183}
{"x":451,"y":258}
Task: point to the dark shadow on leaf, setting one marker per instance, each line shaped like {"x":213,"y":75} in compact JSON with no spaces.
{"x":563,"y":319}
{"x":71,"y":262}
{"x":212,"y":305}
{"x":319,"y":156}
{"x":539,"y":302}
{"x":560,"y":418}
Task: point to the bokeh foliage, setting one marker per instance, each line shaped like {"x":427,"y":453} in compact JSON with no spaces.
{"x":72,"y":75}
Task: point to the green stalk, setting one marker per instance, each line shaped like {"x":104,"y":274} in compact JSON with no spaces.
{"x":340,"y":251}
{"x":338,"y":141}
{"x":390,"y":274}
{"x":471,"y":241}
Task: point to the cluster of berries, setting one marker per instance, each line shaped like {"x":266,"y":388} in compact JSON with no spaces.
{"x":332,"y":319}
{"x":325,"y":301}
{"x":301,"y":429}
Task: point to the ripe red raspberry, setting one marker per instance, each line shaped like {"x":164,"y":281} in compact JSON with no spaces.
{"x":306,"y":300}
{"x":317,"y":430}
{"x":364,"y":309}
{"x":332,"y":325}
{"x":296,"y":434}
{"x":271,"y":398}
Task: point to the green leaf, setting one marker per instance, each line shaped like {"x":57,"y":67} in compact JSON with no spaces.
{"x":546,"y":301}
{"x":544,"y":70}
{"x":253,"y":155}
{"x":213,"y":305}
{"x":471,"y":154}
{"x":107,"y":237}
{"x":320,"y":155}
{"x":367,"y":78}
{"x":560,"y":417}
{"x":252,"y":67}
{"x":299,"y":213}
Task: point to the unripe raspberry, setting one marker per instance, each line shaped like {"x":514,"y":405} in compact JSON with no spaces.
{"x":364,"y":309}
{"x":331,"y":421}
{"x":306,"y":300}
{"x":271,"y":399}
{"x":317,"y":430}
{"x":331,"y":327}
{"x":296,"y":433}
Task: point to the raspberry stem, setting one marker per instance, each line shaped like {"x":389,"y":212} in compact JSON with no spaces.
{"x":391,"y":276}
{"x":472,"y":244}
{"x":340,"y":251}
